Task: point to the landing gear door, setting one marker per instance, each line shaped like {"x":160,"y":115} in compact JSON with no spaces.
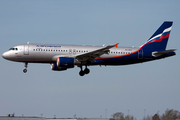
{"x":26,"y":49}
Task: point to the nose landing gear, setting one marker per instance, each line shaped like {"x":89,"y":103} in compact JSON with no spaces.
{"x":26,"y":65}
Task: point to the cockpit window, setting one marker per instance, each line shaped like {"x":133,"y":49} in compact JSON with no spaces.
{"x":13,"y":49}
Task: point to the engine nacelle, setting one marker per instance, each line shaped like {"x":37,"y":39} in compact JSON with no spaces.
{"x":56,"y":68}
{"x":65,"y":62}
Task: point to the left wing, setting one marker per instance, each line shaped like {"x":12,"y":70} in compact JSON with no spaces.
{"x":90,"y":56}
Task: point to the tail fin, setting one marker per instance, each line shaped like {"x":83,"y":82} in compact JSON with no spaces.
{"x":159,"y":39}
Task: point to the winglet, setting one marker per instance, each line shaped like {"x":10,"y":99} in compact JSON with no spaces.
{"x":116,"y":45}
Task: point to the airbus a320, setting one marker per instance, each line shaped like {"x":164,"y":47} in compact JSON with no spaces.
{"x":63,"y":57}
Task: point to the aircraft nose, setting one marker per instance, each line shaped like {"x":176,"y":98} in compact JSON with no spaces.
{"x":5,"y":55}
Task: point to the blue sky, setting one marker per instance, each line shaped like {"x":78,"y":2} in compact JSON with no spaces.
{"x":153,"y":86}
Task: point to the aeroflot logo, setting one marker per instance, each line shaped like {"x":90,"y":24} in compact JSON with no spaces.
{"x":47,"y":46}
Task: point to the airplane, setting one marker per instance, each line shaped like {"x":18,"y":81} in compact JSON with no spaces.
{"x":63,"y":57}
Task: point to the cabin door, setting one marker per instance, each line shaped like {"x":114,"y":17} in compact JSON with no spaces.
{"x":26,"y":49}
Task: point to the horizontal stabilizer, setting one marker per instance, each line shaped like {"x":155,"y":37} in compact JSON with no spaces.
{"x":157,"y":54}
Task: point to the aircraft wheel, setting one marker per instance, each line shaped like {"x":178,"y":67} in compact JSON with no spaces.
{"x":25,"y":70}
{"x":86,"y":71}
{"x":81,"y":73}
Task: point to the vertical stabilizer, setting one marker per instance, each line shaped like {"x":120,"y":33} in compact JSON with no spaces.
{"x":159,"y":39}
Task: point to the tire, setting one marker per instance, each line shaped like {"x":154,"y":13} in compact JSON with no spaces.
{"x":25,"y":70}
{"x":86,"y":71}
{"x":81,"y":73}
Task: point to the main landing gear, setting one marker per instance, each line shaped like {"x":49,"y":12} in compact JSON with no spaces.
{"x":26,"y":65}
{"x":85,"y":71}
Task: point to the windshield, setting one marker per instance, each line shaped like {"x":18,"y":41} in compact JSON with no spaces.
{"x":13,"y":49}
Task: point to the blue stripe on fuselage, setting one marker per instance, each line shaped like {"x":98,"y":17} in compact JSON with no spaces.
{"x":121,"y":60}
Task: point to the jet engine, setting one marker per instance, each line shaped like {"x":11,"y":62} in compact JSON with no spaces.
{"x":65,"y":62}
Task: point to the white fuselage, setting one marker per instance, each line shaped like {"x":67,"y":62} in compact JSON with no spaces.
{"x":46,"y":53}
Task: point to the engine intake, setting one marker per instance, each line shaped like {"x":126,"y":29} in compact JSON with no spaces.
{"x":56,"y":68}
